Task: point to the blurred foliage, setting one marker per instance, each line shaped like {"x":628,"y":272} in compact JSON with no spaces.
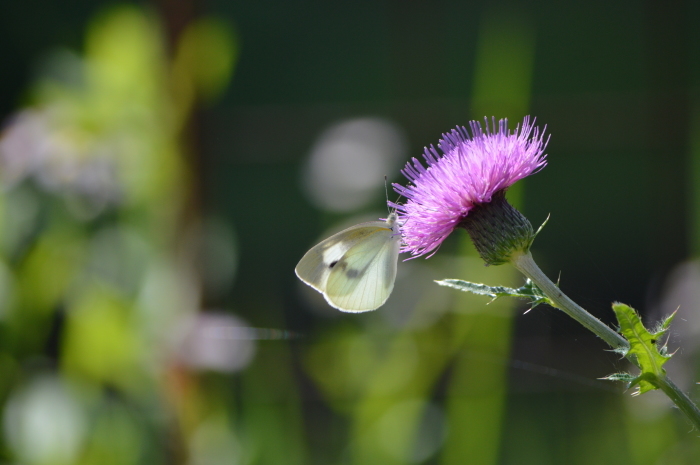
{"x":98,"y":274}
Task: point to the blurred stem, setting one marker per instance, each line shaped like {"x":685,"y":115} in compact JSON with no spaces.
{"x":527,"y":266}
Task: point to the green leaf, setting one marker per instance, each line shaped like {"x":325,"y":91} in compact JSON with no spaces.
{"x":626,"y":377}
{"x":542,"y":226}
{"x":645,"y":350}
{"x":528,"y":291}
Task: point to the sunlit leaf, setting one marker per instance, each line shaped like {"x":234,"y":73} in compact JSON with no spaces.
{"x":645,"y":348}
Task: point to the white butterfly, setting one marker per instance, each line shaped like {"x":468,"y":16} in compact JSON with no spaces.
{"x":354,"y":269}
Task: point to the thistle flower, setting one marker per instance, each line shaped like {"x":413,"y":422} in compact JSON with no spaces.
{"x":465,"y":187}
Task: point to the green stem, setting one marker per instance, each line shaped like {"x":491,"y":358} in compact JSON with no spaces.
{"x":527,"y":266}
{"x":679,"y":398}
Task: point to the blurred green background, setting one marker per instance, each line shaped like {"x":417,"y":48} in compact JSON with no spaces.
{"x":164,"y":165}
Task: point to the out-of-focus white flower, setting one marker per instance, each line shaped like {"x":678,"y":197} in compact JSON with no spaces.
{"x":60,"y":155}
{"x":44,"y":423}
{"x":348,"y":162}
{"x":216,"y":341}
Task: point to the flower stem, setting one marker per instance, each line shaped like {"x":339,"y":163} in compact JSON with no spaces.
{"x":679,"y":398}
{"x":527,"y":266}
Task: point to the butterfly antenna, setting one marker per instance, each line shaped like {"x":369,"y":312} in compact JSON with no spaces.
{"x":386,"y":193}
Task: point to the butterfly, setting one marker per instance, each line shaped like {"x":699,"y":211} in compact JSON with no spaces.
{"x":355,"y":269}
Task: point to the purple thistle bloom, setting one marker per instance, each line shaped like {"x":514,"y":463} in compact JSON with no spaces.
{"x":471,"y":170}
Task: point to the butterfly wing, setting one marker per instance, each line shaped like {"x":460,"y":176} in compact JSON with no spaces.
{"x":355,"y":268}
{"x":316,"y":265}
{"x":363,"y":278}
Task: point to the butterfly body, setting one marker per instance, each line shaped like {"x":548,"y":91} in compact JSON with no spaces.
{"x":354,"y":269}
